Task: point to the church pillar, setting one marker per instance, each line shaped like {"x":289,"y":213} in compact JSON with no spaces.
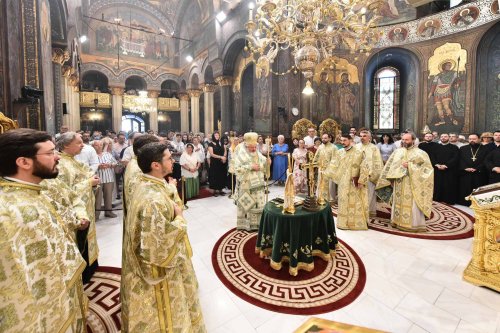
{"x":153,"y":114}
{"x":225,"y":83}
{"x":59,"y":57}
{"x":195,"y":109}
{"x":208,"y":96}
{"x":184,"y":112}
{"x":74,"y":106}
{"x":116,"y":107}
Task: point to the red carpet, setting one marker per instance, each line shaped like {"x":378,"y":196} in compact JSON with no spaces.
{"x":103,"y":291}
{"x":204,"y":193}
{"x":446,"y":223}
{"x":330,"y":286}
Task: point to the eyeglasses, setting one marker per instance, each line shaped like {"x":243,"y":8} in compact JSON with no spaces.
{"x":52,"y":153}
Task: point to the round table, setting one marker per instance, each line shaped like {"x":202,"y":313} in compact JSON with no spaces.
{"x":296,"y":238}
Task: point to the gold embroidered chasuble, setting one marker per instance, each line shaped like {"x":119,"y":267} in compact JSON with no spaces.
{"x":352,"y":201}
{"x":40,"y":266}
{"x":132,"y":176}
{"x":412,"y":185}
{"x":249,"y":195}
{"x":324,"y":156}
{"x":372,"y":161}
{"x":77,"y":176}
{"x":159,"y":287}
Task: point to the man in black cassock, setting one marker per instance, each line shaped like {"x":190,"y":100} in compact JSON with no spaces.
{"x":445,"y":176}
{"x":472,"y":171}
{"x":429,"y":146}
{"x":492,"y":161}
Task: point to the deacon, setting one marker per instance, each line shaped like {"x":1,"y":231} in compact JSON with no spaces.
{"x":81,"y":179}
{"x":373,"y":164}
{"x":409,"y":171}
{"x":326,"y":152}
{"x":40,"y":284}
{"x":471,"y":168}
{"x":159,"y":286}
{"x":492,"y":161}
{"x":445,"y":175}
{"x":250,"y":168}
{"x":345,"y":171}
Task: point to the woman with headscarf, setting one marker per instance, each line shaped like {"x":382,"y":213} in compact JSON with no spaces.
{"x":190,"y":164}
{"x":218,"y":157}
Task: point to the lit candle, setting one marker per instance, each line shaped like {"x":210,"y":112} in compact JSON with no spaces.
{"x":250,"y":14}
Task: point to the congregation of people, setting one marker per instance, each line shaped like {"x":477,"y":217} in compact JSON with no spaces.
{"x":54,"y":189}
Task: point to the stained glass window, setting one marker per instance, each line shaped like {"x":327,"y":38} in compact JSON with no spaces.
{"x":386,"y":103}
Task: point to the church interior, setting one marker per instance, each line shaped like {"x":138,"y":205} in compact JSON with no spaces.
{"x":278,"y":68}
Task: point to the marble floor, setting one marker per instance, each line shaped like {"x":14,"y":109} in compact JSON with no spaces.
{"x":413,"y":285}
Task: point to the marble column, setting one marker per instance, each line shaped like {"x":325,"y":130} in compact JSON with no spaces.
{"x":208,"y":90}
{"x":225,"y":83}
{"x":153,"y":114}
{"x":195,"y":94}
{"x":184,"y":101}
{"x":116,"y":107}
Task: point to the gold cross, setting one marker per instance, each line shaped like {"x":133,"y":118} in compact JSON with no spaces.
{"x":309,"y":167}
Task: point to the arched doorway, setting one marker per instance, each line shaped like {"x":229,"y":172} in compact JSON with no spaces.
{"x":95,"y":81}
{"x":133,"y":123}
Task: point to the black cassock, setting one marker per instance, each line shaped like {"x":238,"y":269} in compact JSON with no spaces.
{"x":468,"y":181}
{"x":445,"y":181}
{"x":492,"y":161}
{"x":430,"y":149}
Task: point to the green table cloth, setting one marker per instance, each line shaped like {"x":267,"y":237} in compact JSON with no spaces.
{"x":296,"y":238}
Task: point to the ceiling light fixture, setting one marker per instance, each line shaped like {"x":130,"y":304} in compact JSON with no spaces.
{"x":189,"y":58}
{"x":83,"y":39}
{"x":221,"y":17}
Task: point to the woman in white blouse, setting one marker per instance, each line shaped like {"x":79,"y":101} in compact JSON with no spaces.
{"x":386,"y":146}
{"x":106,"y":173}
{"x":190,"y":164}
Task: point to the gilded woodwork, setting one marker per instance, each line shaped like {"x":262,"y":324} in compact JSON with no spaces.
{"x":209,"y":88}
{"x":87,"y":99}
{"x":184,"y":96}
{"x":484,"y":267}
{"x":118,"y":91}
{"x":60,"y":56}
{"x":7,"y":124}
{"x":194,"y":93}
{"x":224,"y":81}
{"x":168,"y":104}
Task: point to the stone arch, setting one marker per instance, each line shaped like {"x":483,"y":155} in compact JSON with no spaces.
{"x":232,"y":49}
{"x":208,"y":75}
{"x":96,"y":67}
{"x":409,"y":66}
{"x":487,"y":103}
{"x":183,"y":85}
{"x":93,"y":79}
{"x":150,"y":83}
{"x":194,"y":81}
{"x":135,"y":82}
{"x":169,"y":89}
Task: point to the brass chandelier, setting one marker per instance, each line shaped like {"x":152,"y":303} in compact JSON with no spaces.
{"x":313,"y":30}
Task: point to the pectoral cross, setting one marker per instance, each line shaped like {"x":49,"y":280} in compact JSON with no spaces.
{"x":473,"y":159}
{"x":309,"y":167}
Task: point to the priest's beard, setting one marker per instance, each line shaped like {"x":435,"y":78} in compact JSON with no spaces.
{"x":44,"y":172}
{"x":406,"y":145}
{"x":474,"y":145}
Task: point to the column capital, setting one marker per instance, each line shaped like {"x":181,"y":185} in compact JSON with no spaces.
{"x":60,"y":56}
{"x":118,"y":91}
{"x":194,"y":93}
{"x":153,"y":93}
{"x":67,"y":71}
{"x":209,"y":88}
{"x":74,"y":82}
{"x":224,"y":81}
{"x":184,"y":96}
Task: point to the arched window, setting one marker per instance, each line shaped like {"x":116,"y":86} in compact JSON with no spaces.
{"x":133,"y":123}
{"x":386,"y":103}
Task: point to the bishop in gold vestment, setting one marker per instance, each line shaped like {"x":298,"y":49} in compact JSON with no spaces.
{"x":410,"y":173}
{"x":352,"y":202}
{"x":159,"y":287}
{"x":372,"y":163}
{"x":249,"y":167}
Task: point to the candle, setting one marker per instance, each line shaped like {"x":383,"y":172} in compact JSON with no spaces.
{"x":250,"y":14}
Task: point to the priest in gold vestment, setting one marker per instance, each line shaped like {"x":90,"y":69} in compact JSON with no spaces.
{"x":326,"y":152}
{"x":40,"y":266}
{"x":373,"y":164}
{"x":133,"y":173}
{"x":159,"y":286}
{"x":346,"y":172}
{"x":81,"y":179}
{"x":410,"y":173}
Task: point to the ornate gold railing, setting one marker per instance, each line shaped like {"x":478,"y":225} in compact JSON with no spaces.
{"x":87,"y":99}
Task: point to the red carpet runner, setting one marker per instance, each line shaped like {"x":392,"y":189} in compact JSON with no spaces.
{"x":330,"y":286}
{"x":446,"y":223}
{"x":103,"y":291}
